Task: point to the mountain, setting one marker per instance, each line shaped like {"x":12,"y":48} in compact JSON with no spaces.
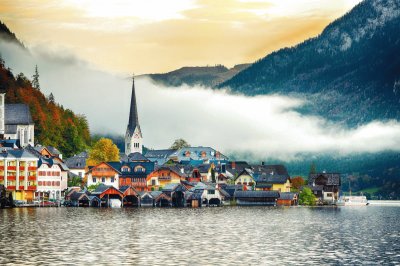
{"x":350,"y":73}
{"x":54,"y":125}
{"x":7,"y":35}
{"x":209,"y":76}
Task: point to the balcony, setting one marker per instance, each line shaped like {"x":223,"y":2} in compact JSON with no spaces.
{"x":22,"y":168}
{"x":32,"y":168}
{"x":1,"y":178}
{"x":10,"y":188}
{"x":12,"y":168}
{"x":31,"y":178}
{"x":11,"y":177}
{"x":21,"y":188}
{"x":32,"y":188}
{"x":2,"y":167}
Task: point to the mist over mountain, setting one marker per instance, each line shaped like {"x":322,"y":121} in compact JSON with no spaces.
{"x":207,"y":76}
{"x":350,"y":73}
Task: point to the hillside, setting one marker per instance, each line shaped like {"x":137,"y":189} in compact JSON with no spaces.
{"x":209,"y":76}
{"x":7,"y":35}
{"x":349,"y":74}
{"x":54,"y":125}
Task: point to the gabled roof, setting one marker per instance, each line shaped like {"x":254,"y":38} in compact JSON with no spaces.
{"x":332,"y":179}
{"x":196,"y":153}
{"x":17,"y":114}
{"x":77,"y":161}
{"x":79,"y":196}
{"x":159,"y":154}
{"x":287,"y":195}
{"x":137,"y":157}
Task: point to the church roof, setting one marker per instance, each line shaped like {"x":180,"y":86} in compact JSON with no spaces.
{"x":133,"y":114}
{"x":137,"y":157}
{"x":17,"y":114}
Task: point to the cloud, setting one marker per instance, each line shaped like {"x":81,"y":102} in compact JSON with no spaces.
{"x":260,"y":127}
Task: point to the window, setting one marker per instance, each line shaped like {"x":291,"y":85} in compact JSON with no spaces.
{"x":80,"y":174}
{"x":329,"y":194}
{"x":153,"y":182}
{"x":112,"y":179}
{"x":94,"y":180}
{"x":103,"y":179}
{"x":40,"y":183}
{"x":210,"y":192}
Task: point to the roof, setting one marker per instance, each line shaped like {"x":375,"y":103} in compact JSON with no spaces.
{"x":159,"y":154}
{"x":10,"y":143}
{"x":276,"y":169}
{"x":256,"y":194}
{"x":130,"y":168}
{"x":16,"y":154}
{"x":78,"y":196}
{"x":198,"y":153}
{"x":77,"y":161}
{"x":53,"y":150}
{"x":133,"y":114}
{"x":287,"y":195}
{"x":326,"y":179}
{"x":17,"y":114}
{"x":203,"y":186}
{"x":137,"y":157}
{"x":263,"y":185}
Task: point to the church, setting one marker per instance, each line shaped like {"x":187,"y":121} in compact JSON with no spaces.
{"x":133,"y":136}
{"x":16,"y":122}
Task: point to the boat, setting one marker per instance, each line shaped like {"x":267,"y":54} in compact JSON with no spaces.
{"x":352,"y":201}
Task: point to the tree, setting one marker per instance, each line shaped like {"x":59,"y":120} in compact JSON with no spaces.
{"x":307,"y":197}
{"x":313,"y":168}
{"x":2,"y":63}
{"x":179,"y":144}
{"x":297,"y":183}
{"x":51,"y":98}
{"x":93,"y":187}
{"x":35,"y":80}
{"x":104,"y":150}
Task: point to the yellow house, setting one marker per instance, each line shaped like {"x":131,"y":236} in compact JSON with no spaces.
{"x":281,"y":183}
{"x":18,"y":173}
{"x":163,"y":176}
{"x":245,"y":178}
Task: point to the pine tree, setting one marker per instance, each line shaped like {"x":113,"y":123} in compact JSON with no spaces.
{"x":313,"y":168}
{"x":35,"y":81}
{"x":2,"y":63}
{"x":51,"y":98}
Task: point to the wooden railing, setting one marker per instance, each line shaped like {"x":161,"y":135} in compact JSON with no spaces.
{"x":32,"y":187}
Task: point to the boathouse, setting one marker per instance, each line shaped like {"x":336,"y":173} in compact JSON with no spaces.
{"x":254,"y":198}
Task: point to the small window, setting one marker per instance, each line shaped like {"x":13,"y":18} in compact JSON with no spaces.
{"x":210,"y":192}
{"x":112,"y":179}
{"x":94,"y":180}
{"x":153,"y":182}
{"x":80,"y":174}
{"x":103,"y":179}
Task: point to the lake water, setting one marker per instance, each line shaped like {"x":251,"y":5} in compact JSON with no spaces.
{"x":204,"y":236}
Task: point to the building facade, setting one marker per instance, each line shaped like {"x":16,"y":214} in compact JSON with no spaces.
{"x":18,"y":173}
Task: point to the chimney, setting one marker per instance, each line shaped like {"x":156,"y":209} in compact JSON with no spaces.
{"x":233,"y":165}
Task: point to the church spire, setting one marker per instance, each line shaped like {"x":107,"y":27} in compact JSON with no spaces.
{"x":133,"y":114}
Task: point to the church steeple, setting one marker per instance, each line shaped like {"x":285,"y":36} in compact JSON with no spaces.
{"x":133,"y":114}
{"x":133,"y":136}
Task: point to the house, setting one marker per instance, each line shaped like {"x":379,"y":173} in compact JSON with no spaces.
{"x":16,"y":122}
{"x":52,"y":178}
{"x":197,"y":155}
{"x":134,"y":173}
{"x":131,"y":197}
{"x":234,"y":168}
{"x":18,"y":173}
{"x":325,"y":186}
{"x":159,"y":157}
{"x":287,"y":199}
{"x":246,"y":179}
{"x":204,"y":195}
{"x":105,"y":174}
{"x":176,"y":192}
{"x":109,"y":196}
{"x":77,"y":164}
{"x":79,"y":199}
{"x":256,"y":198}
{"x":271,"y":181}
{"x":164,"y":176}
{"x":147,"y":199}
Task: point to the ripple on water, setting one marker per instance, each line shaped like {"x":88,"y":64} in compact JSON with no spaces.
{"x":204,"y":236}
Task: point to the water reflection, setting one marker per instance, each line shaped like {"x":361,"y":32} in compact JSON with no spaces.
{"x":204,"y":236}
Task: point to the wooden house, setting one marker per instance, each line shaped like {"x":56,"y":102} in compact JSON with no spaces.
{"x":256,"y":198}
{"x":246,"y":179}
{"x":325,"y":186}
{"x":105,"y":174}
{"x":164,"y":176}
{"x":287,"y":199}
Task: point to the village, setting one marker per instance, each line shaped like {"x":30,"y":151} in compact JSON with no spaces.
{"x":36,"y":175}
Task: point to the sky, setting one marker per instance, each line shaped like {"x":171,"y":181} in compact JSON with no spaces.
{"x":153,"y":36}
{"x":86,"y":53}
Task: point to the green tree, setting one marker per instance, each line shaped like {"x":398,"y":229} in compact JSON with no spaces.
{"x":35,"y":79}
{"x":179,"y":144}
{"x":51,"y":98}
{"x":93,"y":187}
{"x":104,"y":150}
{"x":307,"y":197}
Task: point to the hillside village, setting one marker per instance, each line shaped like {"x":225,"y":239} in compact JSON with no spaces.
{"x":185,"y":177}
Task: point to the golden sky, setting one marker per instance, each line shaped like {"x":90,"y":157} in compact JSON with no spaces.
{"x":152,"y":36}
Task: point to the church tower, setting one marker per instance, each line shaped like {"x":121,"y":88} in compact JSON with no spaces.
{"x":133,"y":136}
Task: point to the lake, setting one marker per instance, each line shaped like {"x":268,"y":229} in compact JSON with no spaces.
{"x":204,"y":236}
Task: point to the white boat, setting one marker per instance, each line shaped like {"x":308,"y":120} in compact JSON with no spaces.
{"x":352,"y":201}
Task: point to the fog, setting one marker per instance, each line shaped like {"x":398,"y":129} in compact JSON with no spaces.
{"x":261,"y":127}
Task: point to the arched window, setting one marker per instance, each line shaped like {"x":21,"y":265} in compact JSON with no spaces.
{"x":140,"y":169}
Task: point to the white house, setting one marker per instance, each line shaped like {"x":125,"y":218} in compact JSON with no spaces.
{"x":52,"y":178}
